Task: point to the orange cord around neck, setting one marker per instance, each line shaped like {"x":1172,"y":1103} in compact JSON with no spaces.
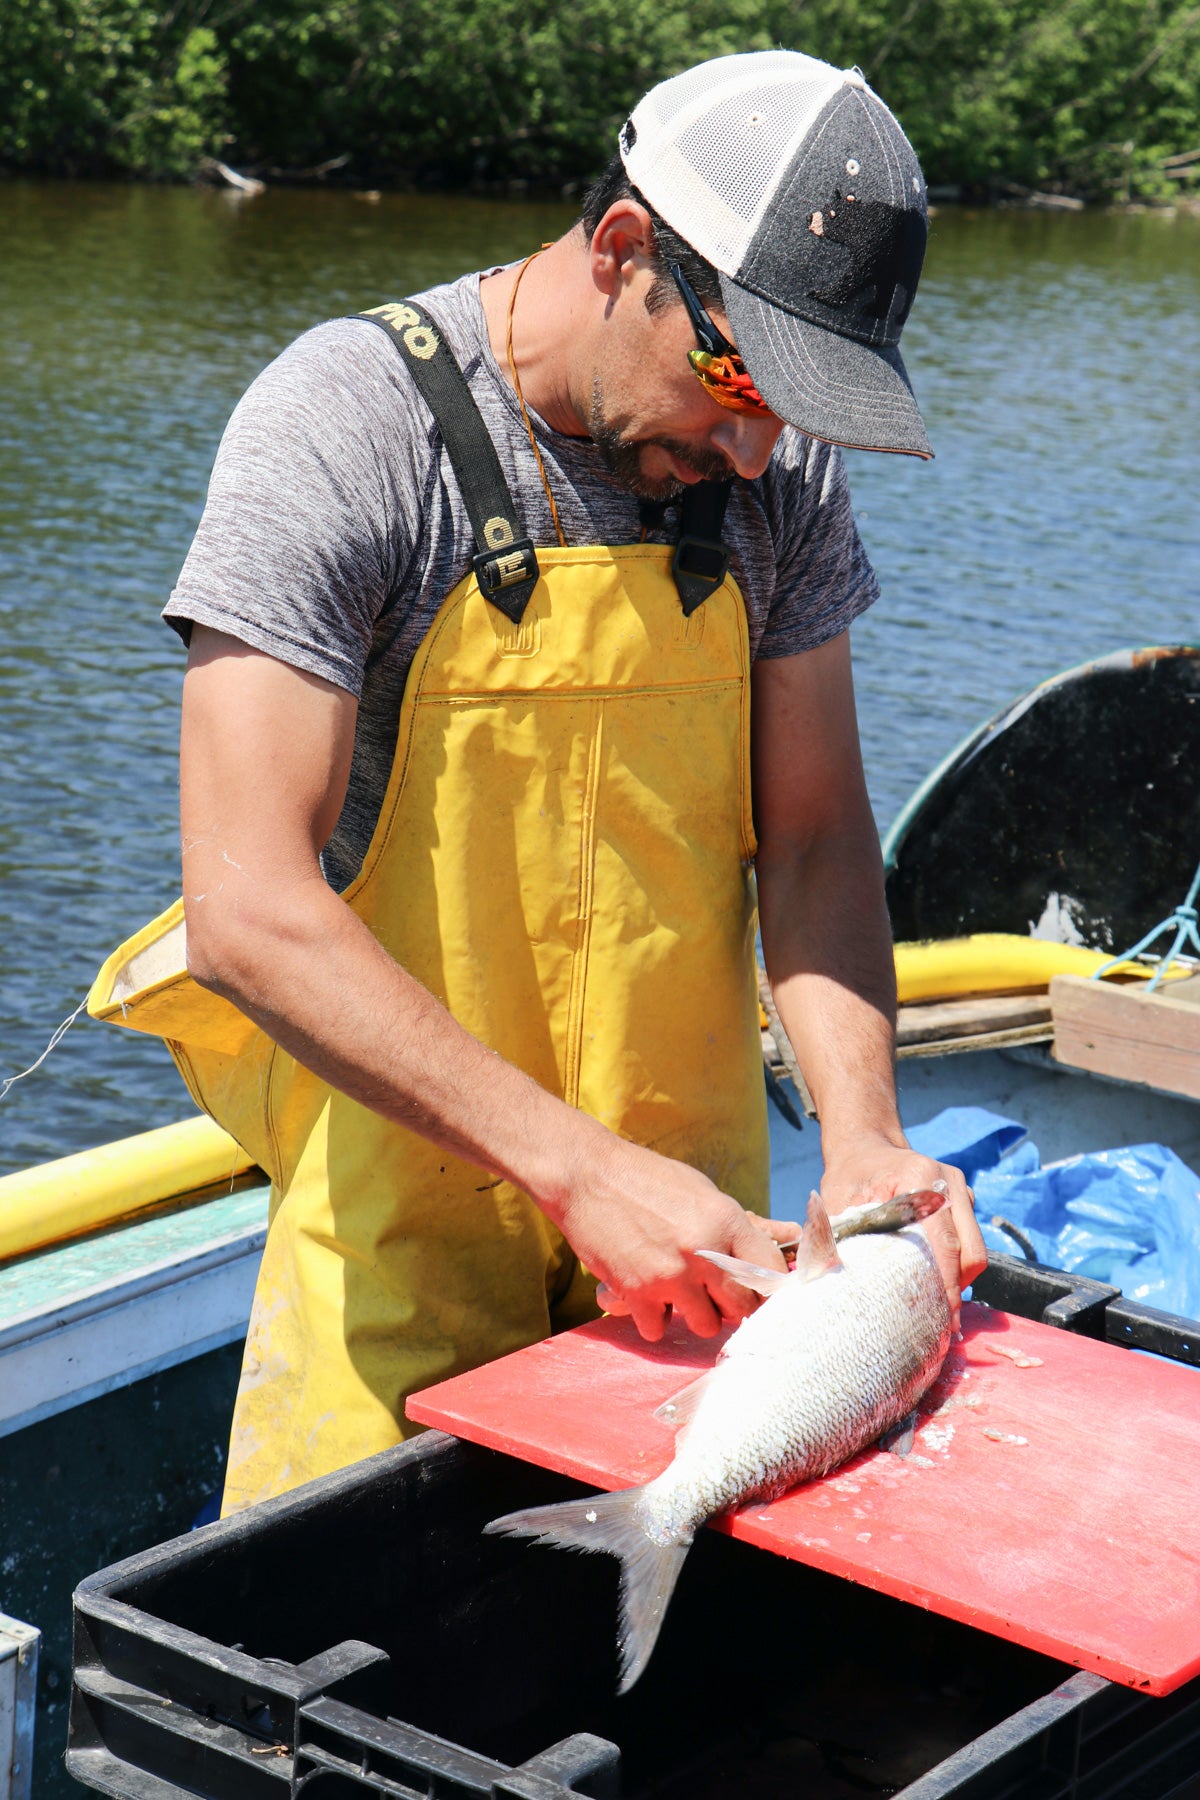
{"x":516,"y":381}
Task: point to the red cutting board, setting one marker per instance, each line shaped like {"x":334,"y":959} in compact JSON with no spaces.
{"x":1055,"y":1504}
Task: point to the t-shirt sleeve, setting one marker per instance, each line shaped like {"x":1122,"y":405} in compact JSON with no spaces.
{"x":824,"y":579}
{"x":307,"y":527}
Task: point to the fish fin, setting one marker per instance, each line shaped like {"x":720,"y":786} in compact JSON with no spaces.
{"x":649,"y":1571}
{"x":816,"y":1252}
{"x":899,"y":1440}
{"x":751,"y":1275}
{"x":679,"y":1411}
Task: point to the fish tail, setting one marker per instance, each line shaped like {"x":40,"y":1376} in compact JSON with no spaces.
{"x":649,"y":1570}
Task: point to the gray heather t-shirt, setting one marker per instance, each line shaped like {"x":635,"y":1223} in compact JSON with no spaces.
{"x":334,"y":527}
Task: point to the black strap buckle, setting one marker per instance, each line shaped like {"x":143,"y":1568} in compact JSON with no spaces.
{"x":507,"y":576}
{"x":699,"y":567}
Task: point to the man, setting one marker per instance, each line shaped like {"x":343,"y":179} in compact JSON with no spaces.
{"x":471,"y":971}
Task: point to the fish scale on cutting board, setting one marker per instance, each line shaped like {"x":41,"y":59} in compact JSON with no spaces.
{"x":1082,"y":1542}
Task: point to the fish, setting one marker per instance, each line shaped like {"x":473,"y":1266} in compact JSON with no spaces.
{"x":837,"y":1358}
{"x":880,"y":1215}
{"x":890,"y":1215}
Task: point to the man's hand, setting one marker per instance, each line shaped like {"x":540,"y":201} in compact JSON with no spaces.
{"x":637,"y":1219}
{"x":875,"y":1170}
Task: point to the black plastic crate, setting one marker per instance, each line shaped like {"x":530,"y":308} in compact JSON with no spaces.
{"x":362,"y":1637}
{"x":1079,"y":1304}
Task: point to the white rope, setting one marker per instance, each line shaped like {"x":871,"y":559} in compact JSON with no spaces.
{"x":55,"y":1041}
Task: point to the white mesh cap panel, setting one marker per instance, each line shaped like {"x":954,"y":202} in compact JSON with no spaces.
{"x":713,"y":143}
{"x":694,"y":89}
{"x":761,"y":131}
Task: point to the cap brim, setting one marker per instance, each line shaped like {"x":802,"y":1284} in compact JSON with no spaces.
{"x":826,"y":385}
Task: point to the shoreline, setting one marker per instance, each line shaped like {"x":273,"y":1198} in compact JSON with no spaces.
{"x":253,"y":182}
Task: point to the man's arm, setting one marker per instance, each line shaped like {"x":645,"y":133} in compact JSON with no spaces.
{"x":264,"y":762}
{"x":828,"y":946}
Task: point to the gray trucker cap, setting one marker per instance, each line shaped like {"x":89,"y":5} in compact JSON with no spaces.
{"x":795,"y":181}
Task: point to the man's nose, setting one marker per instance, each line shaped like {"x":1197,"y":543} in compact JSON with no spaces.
{"x":746,"y":441}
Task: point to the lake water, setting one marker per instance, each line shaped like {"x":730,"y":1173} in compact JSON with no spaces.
{"x":1055,"y":356}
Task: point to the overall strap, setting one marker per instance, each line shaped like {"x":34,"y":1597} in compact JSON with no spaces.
{"x":701,"y":560}
{"x":505,"y":562}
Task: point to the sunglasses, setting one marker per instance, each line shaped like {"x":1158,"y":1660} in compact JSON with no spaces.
{"x":716,"y":364}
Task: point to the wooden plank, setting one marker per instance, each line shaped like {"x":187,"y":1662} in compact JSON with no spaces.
{"x":1127,"y":1033}
{"x":777,"y":1046}
{"x":924,"y":1020}
{"x":936,"y":1021}
{"x":942,"y":1027}
{"x":983,"y":1040}
{"x":976,"y":1022}
{"x":18,"y":1685}
{"x":1187,"y":990}
{"x":1051,"y":1499}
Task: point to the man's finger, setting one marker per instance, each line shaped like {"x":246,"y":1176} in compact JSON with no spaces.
{"x":611,"y":1303}
{"x":942,"y":1235}
{"x":973,"y":1257}
{"x":702,"y":1311}
{"x":780,"y":1231}
{"x":650,"y":1317}
{"x":753,"y":1243}
{"x":733,"y":1303}
{"x":732,"y":1300}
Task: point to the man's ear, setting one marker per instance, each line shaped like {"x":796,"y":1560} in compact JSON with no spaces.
{"x":622,"y":244}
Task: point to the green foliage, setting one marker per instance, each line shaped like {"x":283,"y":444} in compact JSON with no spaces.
{"x":513,"y":88}
{"x":1050,"y":94}
{"x":1089,"y":95}
{"x":86,"y":85}
{"x":175,"y":114}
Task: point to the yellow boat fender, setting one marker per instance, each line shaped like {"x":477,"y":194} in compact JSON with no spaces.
{"x":94,"y":1188}
{"x":997,"y":962}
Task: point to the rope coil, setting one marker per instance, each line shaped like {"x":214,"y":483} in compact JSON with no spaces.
{"x":1182,"y":922}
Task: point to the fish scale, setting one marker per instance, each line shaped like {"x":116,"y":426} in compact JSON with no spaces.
{"x":828,"y":1366}
{"x":841,"y":1351}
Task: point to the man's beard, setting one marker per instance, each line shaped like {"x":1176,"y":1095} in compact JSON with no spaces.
{"x":622,"y":455}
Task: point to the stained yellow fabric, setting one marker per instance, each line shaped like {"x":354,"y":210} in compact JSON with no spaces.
{"x":564,"y":858}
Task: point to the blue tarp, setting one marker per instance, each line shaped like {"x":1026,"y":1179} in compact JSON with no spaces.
{"x":1127,"y":1217}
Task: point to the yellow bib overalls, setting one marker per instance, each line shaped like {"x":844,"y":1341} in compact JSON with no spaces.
{"x":563,"y":857}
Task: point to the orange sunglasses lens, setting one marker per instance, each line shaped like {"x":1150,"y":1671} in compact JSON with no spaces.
{"x":728,"y":382}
